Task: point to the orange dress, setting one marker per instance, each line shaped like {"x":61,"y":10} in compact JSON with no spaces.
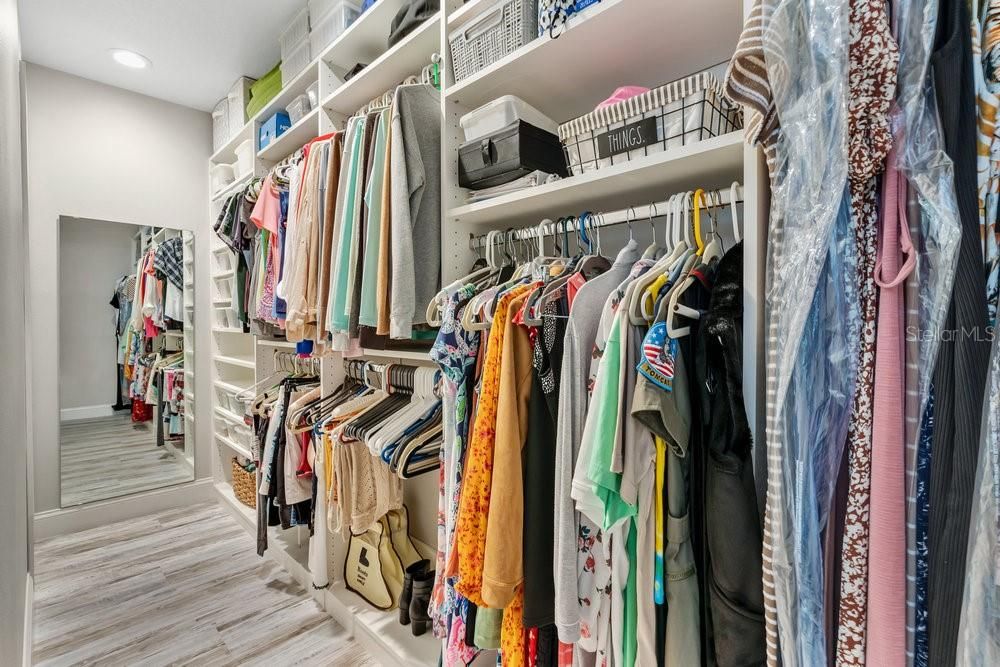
{"x":474,"y":504}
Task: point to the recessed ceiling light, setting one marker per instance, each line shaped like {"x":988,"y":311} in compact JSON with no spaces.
{"x":130,"y":58}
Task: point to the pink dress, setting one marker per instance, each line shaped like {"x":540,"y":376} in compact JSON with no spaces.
{"x":886,"y":636}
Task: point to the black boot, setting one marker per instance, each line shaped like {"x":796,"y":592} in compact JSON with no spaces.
{"x":423,"y":584}
{"x":404,"y":598}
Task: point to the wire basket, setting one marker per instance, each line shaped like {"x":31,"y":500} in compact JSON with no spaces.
{"x":498,"y":31}
{"x":676,"y":114}
{"x":244,"y":484}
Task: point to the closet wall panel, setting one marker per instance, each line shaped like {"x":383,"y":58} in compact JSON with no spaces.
{"x":15,"y":618}
{"x":100,"y":152}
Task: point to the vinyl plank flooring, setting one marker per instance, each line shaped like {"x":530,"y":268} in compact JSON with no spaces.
{"x":181,"y":587}
{"x":109,"y":457}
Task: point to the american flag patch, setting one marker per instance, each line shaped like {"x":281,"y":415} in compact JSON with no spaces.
{"x":658,"y":354}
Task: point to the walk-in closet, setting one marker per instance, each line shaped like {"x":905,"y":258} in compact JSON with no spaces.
{"x":532,"y":333}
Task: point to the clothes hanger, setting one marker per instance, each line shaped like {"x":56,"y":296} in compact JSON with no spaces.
{"x":641,"y":296}
{"x":675,"y":308}
{"x":653,"y":249}
{"x":713,"y":249}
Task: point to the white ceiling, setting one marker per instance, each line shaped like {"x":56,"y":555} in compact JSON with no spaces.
{"x":198,"y":47}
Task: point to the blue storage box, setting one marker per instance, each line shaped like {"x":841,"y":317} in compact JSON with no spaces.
{"x":272,"y":128}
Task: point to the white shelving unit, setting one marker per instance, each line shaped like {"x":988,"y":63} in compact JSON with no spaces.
{"x":612,"y":43}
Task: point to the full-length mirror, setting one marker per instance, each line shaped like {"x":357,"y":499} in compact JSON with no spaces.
{"x":126,"y":333}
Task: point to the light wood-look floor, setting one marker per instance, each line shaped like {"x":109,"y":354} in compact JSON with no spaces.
{"x":181,"y":587}
{"x":109,"y":457}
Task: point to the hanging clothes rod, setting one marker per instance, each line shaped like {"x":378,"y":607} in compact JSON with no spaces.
{"x":636,"y":214}
{"x":394,"y":378}
{"x":291,"y":362}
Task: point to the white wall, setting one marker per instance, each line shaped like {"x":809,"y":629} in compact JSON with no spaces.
{"x":103,"y":153}
{"x":14,"y":484}
{"x":93,"y":257}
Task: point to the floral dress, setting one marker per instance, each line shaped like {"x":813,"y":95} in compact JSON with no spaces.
{"x":454,"y":351}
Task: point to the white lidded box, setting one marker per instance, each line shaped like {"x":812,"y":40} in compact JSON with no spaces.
{"x":293,"y":34}
{"x":295,"y":62}
{"x":244,"y":158}
{"x":330,"y":19}
{"x":239,"y":97}
{"x":500,"y":113}
{"x":220,"y":124}
{"x":222,"y":175}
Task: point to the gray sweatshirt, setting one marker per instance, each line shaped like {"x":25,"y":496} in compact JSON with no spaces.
{"x":415,"y":190}
{"x":578,"y":344}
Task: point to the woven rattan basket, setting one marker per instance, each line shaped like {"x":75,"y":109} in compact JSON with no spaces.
{"x":244,"y":484}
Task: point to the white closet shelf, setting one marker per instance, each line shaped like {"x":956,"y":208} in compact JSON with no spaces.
{"x":264,"y":342}
{"x":245,"y":515}
{"x":567,"y":76}
{"x":406,"y":57}
{"x":229,"y":386}
{"x":227,"y":153}
{"x":229,"y":416}
{"x":173,"y":334}
{"x":235,"y":361}
{"x":380,"y":631}
{"x":232,"y":187}
{"x":228,"y":330}
{"x":289,"y":91}
{"x":225,"y":274}
{"x":412,"y":355}
{"x":467,"y":12}
{"x":291,"y":139}
{"x":714,"y":162}
{"x":239,"y":449}
{"x":365,"y":39}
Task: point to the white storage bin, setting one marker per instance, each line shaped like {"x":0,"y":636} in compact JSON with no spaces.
{"x":298,"y":108}
{"x":241,"y":434}
{"x":225,"y":287}
{"x":220,"y":124}
{"x":222,"y":175}
{"x":244,"y":158}
{"x":331,"y":19}
{"x":312,"y":92}
{"x":497,"y":31}
{"x":239,"y":96}
{"x":223,"y":260}
{"x":501,"y":112}
{"x":296,"y":31}
{"x":295,"y":62}
{"x":234,"y":405}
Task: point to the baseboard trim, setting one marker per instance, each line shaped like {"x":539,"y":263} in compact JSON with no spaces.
{"x":92,"y":515}
{"x":85,"y":412}
{"x":29,"y":617}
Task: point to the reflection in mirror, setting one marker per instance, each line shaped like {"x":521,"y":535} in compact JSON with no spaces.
{"x":126,"y":306}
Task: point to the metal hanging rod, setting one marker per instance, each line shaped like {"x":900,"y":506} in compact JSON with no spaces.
{"x":637,"y":213}
{"x":291,"y":362}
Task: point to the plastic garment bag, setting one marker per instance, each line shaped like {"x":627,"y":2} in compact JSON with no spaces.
{"x":816,"y":414}
{"x":930,"y":173}
{"x":979,"y":632}
{"x":930,"y":176}
{"x":810,"y":274}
